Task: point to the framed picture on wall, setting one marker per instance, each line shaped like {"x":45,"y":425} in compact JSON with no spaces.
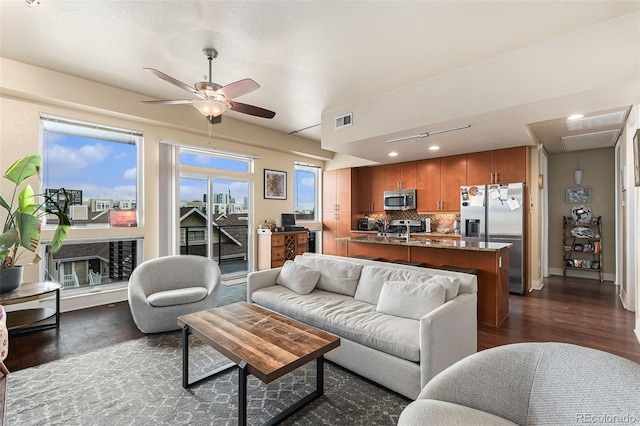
{"x":275,"y":185}
{"x":579,"y":195}
{"x":636,"y":157}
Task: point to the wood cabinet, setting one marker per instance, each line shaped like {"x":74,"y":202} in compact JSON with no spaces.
{"x":274,"y":248}
{"x":438,"y":183}
{"x":500,"y":166}
{"x":400,"y":176}
{"x":370,"y":185}
{"x":337,"y":208}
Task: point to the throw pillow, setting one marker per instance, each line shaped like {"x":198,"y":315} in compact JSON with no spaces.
{"x":409,"y":299}
{"x":336,"y":276}
{"x":297,"y":277}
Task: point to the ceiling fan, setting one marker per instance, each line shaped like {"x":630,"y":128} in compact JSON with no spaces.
{"x":213,"y":99}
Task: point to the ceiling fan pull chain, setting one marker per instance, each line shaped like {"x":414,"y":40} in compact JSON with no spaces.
{"x":210,"y":131}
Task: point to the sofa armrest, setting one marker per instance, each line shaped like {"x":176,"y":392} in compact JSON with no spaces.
{"x":448,"y":334}
{"x":261,"y":279}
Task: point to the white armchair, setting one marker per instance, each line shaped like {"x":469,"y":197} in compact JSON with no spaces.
{"x":162,"y":289}
{"x":531,"y":384}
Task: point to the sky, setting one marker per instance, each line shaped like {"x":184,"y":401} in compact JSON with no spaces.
{"x":107,"y":170}
{"x":101,"y":169}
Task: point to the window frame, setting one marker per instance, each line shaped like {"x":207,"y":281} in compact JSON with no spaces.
{"x":297,"y":166}
{"x":93,"y":233}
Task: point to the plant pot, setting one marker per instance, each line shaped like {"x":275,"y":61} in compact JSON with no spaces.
{"x":10,"y":279}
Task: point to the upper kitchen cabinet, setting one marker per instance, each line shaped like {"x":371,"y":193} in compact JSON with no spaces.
{"x":512,"y":164}
{"x":438,"y":183}
{"x":400,"y":176}
{"x":453,"y":175}
{"x":370,"y":189}
{"x":500,"y":166}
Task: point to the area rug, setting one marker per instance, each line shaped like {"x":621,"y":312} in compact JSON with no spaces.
{"x":139,"y":382}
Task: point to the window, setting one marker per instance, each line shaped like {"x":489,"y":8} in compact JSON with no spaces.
{"x":96,"y":165}
{"x":98,"y":168}
{"x":213,"y":161}
{"x":305,"y":192}
{"x":214,"y":197}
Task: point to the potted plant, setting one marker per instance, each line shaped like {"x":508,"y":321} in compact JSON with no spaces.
{"x":22,"y":225}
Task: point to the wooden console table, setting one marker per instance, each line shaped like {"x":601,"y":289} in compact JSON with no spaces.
{"x":25,"y":320}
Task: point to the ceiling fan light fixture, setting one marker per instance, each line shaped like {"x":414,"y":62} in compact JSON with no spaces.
{"x":210,"y":107}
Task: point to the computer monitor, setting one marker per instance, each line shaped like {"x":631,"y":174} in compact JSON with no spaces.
{"x":288,"y":219}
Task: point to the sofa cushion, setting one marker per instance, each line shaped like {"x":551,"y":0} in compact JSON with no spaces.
{"x":336,"y":276}
{"x":346,"y":317}
{"x":373,"y":278}
{"x":179,"y":296}
{"x":298,"y":277}
{"x":409,"y":299}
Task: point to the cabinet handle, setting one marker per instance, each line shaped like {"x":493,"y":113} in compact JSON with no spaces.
{"x":497,"y":178}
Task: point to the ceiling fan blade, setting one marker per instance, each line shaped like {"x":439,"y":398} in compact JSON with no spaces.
{"x":251,"y":110}
{"x":239,"y":88}
{"x":173,"y":81}
{"x":170,"y":102}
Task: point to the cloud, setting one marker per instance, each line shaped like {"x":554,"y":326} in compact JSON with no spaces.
{"x":130,"y":174}
{"x":69,"y":160}
{"x":308,"y":182}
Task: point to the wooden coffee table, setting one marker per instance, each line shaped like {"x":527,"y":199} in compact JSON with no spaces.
{"x":259,"y":342}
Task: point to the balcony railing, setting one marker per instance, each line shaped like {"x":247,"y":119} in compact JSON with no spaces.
{"x":228,"y":246}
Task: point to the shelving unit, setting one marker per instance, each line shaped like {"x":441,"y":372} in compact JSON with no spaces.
{"x":583,"y":253}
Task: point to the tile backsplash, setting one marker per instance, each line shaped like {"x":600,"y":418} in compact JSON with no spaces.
{"x":439,"y":222}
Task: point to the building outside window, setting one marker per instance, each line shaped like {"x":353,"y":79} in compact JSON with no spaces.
{"x":99,"y":169}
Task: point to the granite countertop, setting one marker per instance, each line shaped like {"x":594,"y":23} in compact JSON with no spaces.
{"x":450,"y":235}
{"x":427,"y":242}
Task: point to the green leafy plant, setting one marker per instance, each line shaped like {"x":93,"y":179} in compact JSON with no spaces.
{"x":22,"y":226}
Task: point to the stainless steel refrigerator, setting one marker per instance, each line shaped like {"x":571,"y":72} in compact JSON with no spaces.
{"x":496,"y":213}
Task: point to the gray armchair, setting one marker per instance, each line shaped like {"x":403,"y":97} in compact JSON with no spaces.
{"x":531,"y":384}
{"x":162,"y":289}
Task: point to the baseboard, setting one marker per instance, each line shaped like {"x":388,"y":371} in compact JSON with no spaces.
{"x":623,"y":298}
{"x":577,"y":273}
{"x":537,"y":284}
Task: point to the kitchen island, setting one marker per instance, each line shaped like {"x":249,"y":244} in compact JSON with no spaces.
{"x":491,"y":260}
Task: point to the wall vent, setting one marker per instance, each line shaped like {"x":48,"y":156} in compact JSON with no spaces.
{"x":344,"y":120}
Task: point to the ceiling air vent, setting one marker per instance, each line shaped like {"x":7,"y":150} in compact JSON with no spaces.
{"x":344,"y":120}
{"x":610,"y":119}
{"x":595,"y":140}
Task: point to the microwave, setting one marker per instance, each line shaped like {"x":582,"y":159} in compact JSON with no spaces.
{"x":400,"y":200}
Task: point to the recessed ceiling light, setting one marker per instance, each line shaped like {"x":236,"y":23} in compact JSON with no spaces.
{"x":434,"y":148}
{"x":575,"y":116}
{"x":393,"y":154}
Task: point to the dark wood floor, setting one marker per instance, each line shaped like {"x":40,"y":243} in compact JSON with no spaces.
{"x":578,"y":311}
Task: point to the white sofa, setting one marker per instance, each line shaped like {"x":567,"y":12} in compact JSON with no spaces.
{"x":399,"y":325}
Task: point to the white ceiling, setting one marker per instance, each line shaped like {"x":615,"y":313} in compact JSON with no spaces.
{"x":313,"y":56}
